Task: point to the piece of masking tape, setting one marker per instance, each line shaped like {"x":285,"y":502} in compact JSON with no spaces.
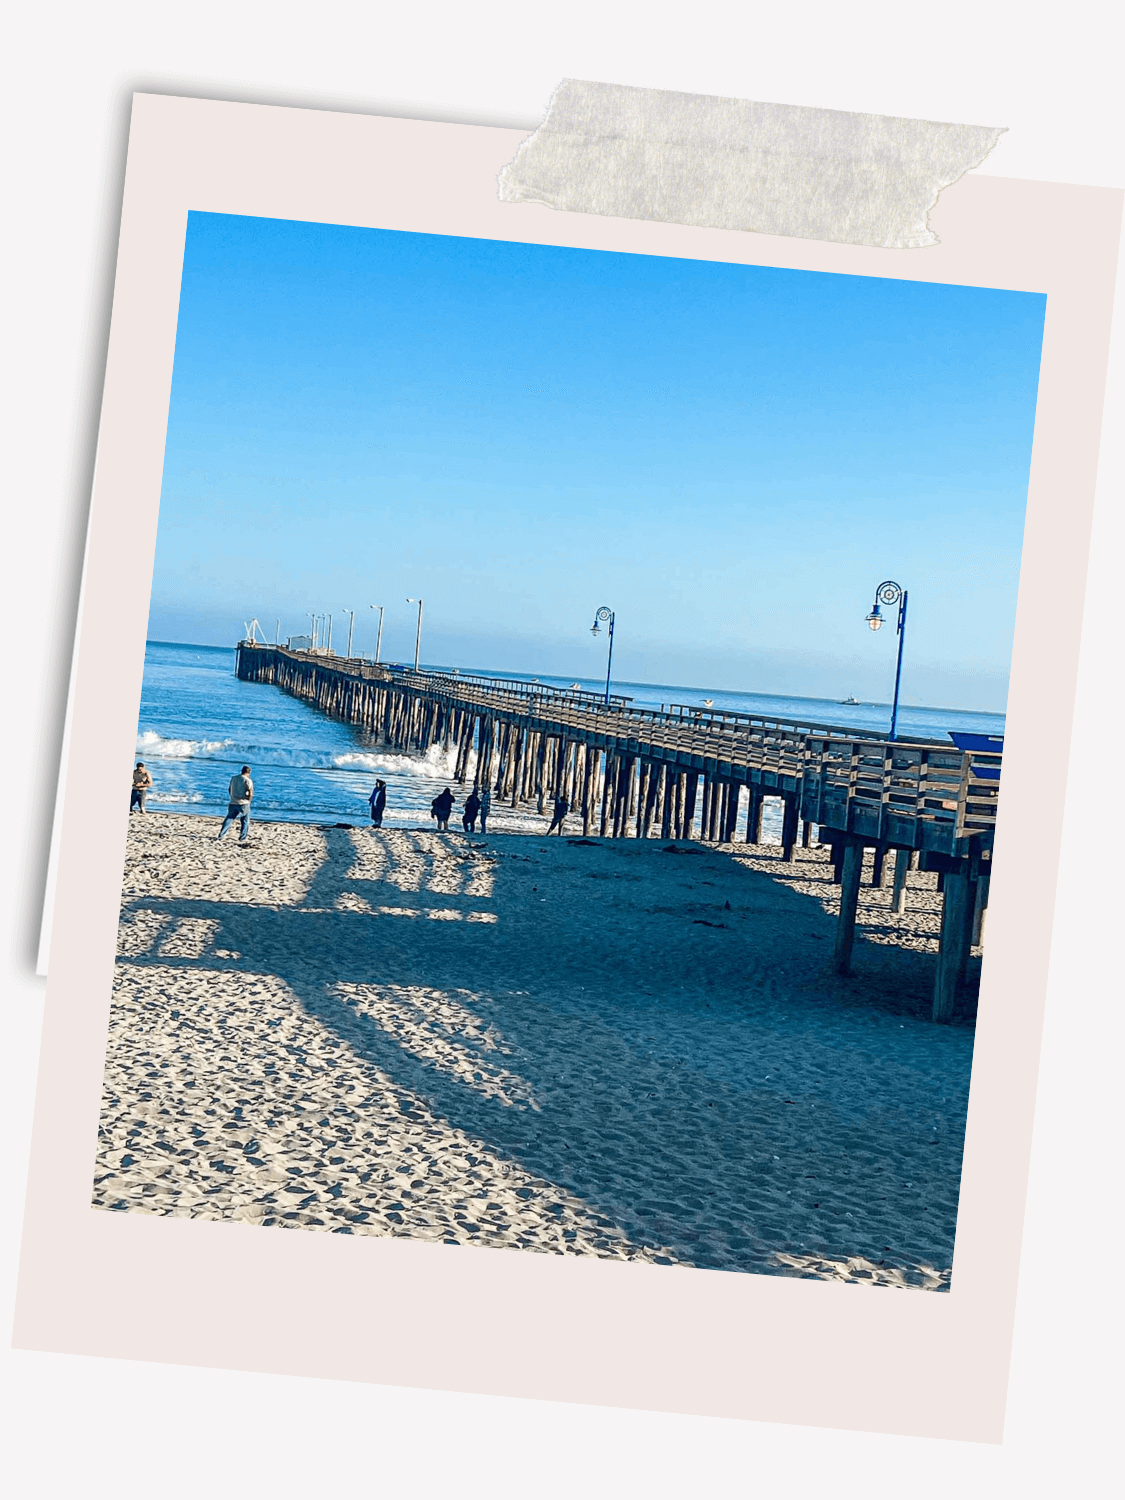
{"x":816,"y":174}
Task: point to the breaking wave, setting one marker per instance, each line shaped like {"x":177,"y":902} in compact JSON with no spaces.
{"x":438,"y":764}
{"x":151,"y":743}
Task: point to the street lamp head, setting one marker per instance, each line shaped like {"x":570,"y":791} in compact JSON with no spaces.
{"x":875,"y":618}
{"x":595,"y":628}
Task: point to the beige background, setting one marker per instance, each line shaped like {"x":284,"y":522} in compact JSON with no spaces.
{"x":484,"y":1320}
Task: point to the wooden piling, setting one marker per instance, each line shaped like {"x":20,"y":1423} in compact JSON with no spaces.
{"x":541,"y":776}
{"x":587,"y":788}
{"x":956,"y":928}
{"x":852,"y":871}
{"x":652,"y":791}
{"x":691,"y":789}
{"x":898,"y":889}
{"x":608,"y":784}
{"x":789,"y":829}
{"x":668,"y":801}
{"x":705,"y":811}
{"x":980,"y":912}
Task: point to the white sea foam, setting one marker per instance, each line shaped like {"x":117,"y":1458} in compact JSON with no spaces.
{"x":151,"y":743}
{"x":310,"y":758}
{"x":437,"y":764}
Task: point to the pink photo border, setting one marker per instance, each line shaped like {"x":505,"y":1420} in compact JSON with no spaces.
{"x":505,"y":1322}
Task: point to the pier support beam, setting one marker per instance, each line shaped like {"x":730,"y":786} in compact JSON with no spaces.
{"x":789,"y":829}
{"x":690,"y":793}
{"x":754,"y":815}
{"x":851,"y":871}
{"x":668,"y":803}
{"x":956,"y":929}
{"x":898,"y":889}
{"x":980,"y":911}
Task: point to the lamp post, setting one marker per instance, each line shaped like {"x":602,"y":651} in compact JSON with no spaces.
{"x":418,"y":632}
{"x":379,"y":635}
{"x":351,"y":629}
{"x":312,"y":637}
{"x":601,"y":616}
{"x":890,"y":592}
{"x":328,"y":648}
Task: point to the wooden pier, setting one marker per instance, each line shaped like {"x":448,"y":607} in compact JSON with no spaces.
{"x":683,"y":773}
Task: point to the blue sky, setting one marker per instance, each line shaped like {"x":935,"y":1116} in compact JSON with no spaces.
{"x":731,"y":457}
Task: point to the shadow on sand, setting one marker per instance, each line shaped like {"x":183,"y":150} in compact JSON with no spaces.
{"x":658,"y":1033}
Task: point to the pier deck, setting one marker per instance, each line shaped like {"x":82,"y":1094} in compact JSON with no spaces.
{"x":682,"y":773}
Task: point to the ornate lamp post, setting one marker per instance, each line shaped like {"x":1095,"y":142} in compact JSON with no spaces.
{"x":418,"y":632}
{"x":601,"y":617}
{"x":889,"y":593}
{"x":379,"y":636}
{"x":351,"y":629}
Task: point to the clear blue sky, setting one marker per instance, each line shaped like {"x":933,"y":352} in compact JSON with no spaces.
{"x":731,"y":457}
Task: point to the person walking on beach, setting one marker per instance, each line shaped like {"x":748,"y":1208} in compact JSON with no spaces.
{"x":378,"y":800}
{"x":485,"y":808}
{"x":469,"y":817}
{"x":440,"y":808}
{"x":142,"y":784}
{"x":562,"y":807}
{"x":239,"y":795}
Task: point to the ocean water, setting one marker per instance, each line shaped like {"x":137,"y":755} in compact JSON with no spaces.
{"x":198,"y":724}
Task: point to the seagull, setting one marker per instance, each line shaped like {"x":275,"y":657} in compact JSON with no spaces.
{"x":573,"y":685}
{"x":708,"y":702}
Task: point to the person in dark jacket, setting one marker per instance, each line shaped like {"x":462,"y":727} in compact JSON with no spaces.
{"x":562,"y":807}
{"x":485,"y":809}
{"x":378,"y":801}
{"x":469,"y":817}
{"x":440,"y":808}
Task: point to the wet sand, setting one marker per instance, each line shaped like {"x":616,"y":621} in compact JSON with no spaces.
{"x":618,"y":1049}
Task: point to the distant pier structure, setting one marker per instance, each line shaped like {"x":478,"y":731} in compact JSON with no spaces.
{"x":688,"y":773}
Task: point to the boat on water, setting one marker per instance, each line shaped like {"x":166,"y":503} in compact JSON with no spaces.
{"x":850,"y":701}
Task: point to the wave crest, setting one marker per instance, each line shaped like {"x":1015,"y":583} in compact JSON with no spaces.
{"x":437,"y":764}
{"x":151,"y":743}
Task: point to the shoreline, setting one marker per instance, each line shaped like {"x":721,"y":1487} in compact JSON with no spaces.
{"x":611,"y":1047}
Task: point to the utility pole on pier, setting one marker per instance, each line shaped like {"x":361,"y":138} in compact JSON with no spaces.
{"x":418,"y":632}
{"x":351,"y":630}
{"x":379,"y":636}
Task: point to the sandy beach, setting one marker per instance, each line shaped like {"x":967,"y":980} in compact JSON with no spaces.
{"x":622,"y":1049}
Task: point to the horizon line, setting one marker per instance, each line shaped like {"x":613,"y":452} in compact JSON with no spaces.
{"x":996,"y":713}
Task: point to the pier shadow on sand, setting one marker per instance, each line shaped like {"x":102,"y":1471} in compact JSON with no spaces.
{"x":659,"y":1034}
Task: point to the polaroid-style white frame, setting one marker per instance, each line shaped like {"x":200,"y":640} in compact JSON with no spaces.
{"x":509,"y":1322}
